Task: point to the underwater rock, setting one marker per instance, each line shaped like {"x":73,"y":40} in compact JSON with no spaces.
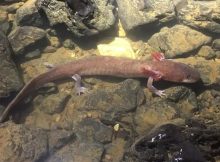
{"x":209,"y":71}
{"x":22,"y":38}
{"x":108,"y":104}
{"x":79,"y":23}
{"x":58,"y":138}
{"x":54,"y":41}
{"x":26,"y":143}
{"x":78,"y":151}
{"x":202,"y":15}
{"x":217,"y":53}
{"x":216,"y":44}
{"x":111,"y":103}
{"x":13,"y":7}
{"x":207,"y":52}
{"x":185,"y":100}
{"x":94,"y":131}
{"x":4,"y":24}
{"x":68,"y":43}
{"x":170,"y":142}
{"x":21,"y":143}
{"x":180,"y":103}
{"x":28,"y":15}
{"x":52,"y":104}
{"x":10,"y":80}
{"x":210,"y":108}
{"x":149,"y":115}
{"x":135,"y":13}
{"x":178,"y":40}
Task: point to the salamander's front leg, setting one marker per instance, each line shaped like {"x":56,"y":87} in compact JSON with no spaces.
{"x":153,"y":89}
{"x":78,"y":86}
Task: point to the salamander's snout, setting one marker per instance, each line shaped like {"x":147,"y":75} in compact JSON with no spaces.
{"x":191,"y":75}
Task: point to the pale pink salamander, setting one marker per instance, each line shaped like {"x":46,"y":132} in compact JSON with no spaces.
{"x":158,"y":68}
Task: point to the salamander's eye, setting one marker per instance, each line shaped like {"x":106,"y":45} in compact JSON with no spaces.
{"x":188,"y":76}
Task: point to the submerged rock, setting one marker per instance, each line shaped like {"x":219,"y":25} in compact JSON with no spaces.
{"x":21,"y":143}
{"x":178,"y":40}
{"x":10,"y":80}
{"x":58,"y":12}
{"x":30,"y":144}
{"x":201,"y":15}
{"x":28,"y":15}
{"x":216,"y":44}
{"x":78,"y":151}
{"x":24,"y":37}
{"x":135,"y":13}
{"x":170,"y":142}
{"x":149,"y":115}
{"x":13,"y":7}
{"x":112,"y":102}
{"x":207,"y":52}
{"x":4,"y":23}
{"x":93,"y":131}
{"x":54,"y":103}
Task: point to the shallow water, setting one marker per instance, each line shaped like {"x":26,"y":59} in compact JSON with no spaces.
{"x":116,"y":119}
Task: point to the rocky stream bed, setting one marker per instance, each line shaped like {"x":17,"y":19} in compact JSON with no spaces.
{"x":117,"y":120}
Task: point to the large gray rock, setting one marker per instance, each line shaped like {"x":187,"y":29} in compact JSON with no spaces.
{"x":134,"y":13}
{"x":10,"y":80}
{"x":178,"y":40}
{"x":201,"y":15}
{"x":23,"y":37}
{"x":58,"y":12}
{"x":28,"y":15}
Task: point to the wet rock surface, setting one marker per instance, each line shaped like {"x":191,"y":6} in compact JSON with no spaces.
{"x":201,"y":14}
{"x":22,"y":143}
{"x":135,"y":13}
{"x":22,"y":38}
{"x":207,"y":52}
{"x":28,"y":15}
{"x":170,"y":142}
{"x":80,"y":24}
{"x":4,"y":24}
{"x":178,"y":40}
{"x":117,"y":119}
{"x":10,"y":80}
{"x":110,"y":104}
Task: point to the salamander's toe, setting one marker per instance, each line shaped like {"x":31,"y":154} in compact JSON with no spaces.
{"x":160,"y":93}
{"x":81,"y":90}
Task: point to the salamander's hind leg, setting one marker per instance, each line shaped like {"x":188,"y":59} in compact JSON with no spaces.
{"x":153,"y":89}
{"x":78,"y":86}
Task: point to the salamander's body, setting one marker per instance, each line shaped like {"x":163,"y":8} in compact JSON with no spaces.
{"x":110,"y":66}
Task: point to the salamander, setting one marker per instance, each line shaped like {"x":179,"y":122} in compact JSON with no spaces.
{"x":156,"y":69}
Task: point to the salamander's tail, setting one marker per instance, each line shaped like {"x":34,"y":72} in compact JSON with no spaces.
{"x":23,"y":93}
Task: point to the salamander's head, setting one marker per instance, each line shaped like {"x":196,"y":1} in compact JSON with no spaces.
{"x":177,"y":72}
